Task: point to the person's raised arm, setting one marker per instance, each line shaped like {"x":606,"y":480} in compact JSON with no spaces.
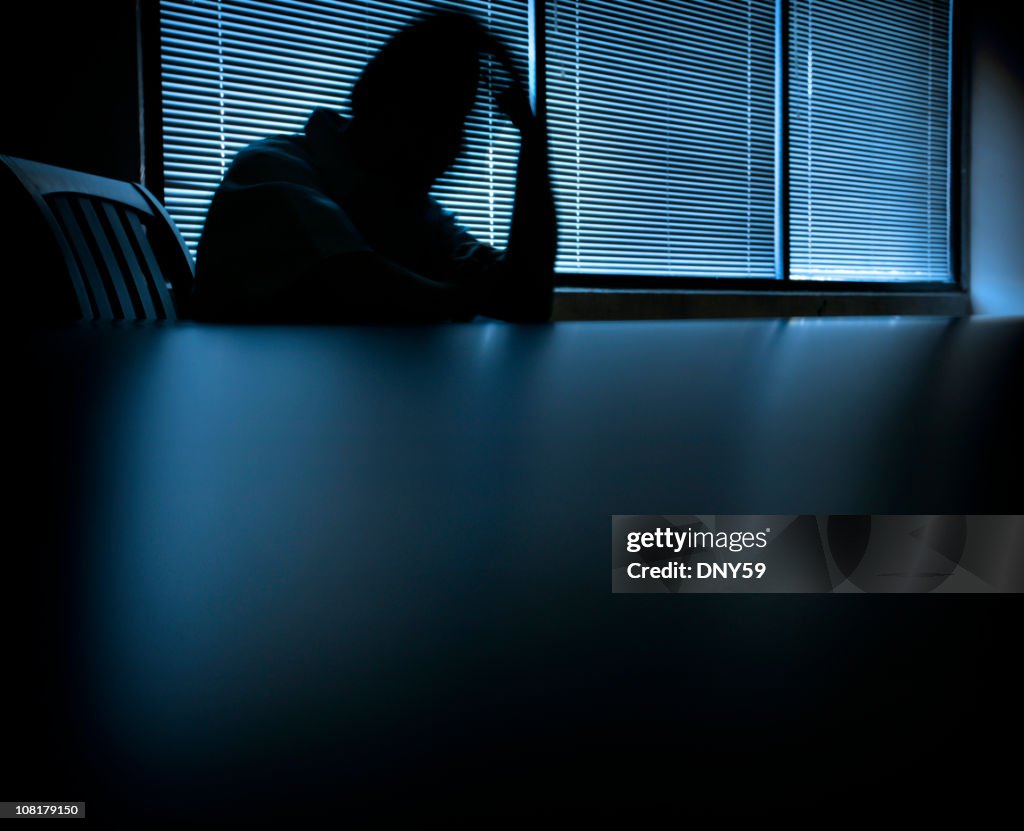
{"x":525,"y":289}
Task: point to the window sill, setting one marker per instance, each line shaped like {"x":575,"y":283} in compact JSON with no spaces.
{"x":669,"y":304}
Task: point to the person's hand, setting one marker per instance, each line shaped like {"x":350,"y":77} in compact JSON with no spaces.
{"x":512,"y":100}
{"x":515,"y":103}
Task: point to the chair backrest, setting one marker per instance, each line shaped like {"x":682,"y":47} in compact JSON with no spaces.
{"x":115,"y":245}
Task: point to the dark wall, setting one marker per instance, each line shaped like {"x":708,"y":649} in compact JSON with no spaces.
{"x":997,"y":159}
{"x":73,"y":99}
{"x":71,"y":85}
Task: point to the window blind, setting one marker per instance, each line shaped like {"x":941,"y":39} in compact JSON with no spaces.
{"x":236,"y":71}
{"x":662,"y":120}
{"x":869,"y":140}
{"x":667,"y":122}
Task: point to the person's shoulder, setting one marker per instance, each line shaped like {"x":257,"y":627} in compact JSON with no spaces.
{"x":283,"y":158}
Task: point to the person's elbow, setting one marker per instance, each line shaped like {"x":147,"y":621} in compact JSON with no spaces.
{"x":525,"y":294}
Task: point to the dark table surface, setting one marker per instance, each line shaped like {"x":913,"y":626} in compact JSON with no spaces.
{"x":360,"y":571}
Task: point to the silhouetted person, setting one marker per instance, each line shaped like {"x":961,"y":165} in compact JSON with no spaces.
{"x":337,"y":224}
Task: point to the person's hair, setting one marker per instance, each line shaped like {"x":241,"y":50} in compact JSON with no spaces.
{"x":431,"y":64}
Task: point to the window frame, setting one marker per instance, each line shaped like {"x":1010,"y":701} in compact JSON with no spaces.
{"x":596,"y":295}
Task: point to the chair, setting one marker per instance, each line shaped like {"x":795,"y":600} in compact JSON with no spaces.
{"x":98,"y":248}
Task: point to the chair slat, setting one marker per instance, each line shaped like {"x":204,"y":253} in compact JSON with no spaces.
{"x":114,"y":273}
{"x":100,"y":302}
{"x":82,"y":294}
{"x":117,"y":221}
{"x":155,"y":274}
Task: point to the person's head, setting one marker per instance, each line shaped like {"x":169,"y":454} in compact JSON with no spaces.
{"x":413,"y":97}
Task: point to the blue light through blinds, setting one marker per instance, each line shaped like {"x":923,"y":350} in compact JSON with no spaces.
{"x":662,"y":118}
{"x":235,"y":71}
{"x":869,"y":140}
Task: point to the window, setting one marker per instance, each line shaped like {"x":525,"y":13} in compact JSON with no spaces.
{"x":662,"y":120}
{"x":801,"y":140}
{"x":868,"y":133}
{"x":235,"y":71}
